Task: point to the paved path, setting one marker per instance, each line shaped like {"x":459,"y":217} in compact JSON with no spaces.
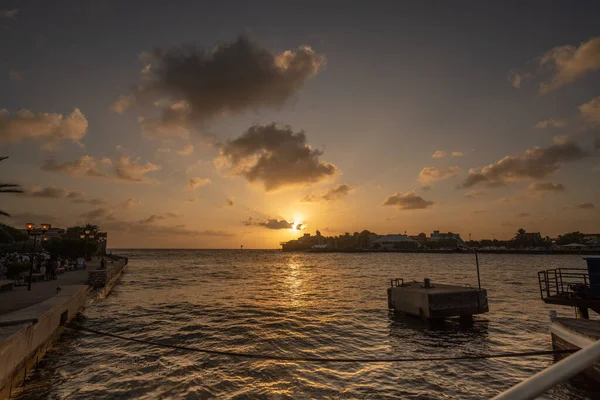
{"x":20,"y":297}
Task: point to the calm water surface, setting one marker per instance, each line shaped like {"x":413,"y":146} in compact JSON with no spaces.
{"x":318,"y":305}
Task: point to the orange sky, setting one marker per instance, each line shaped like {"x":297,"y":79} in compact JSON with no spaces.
{"x":353,"y":121}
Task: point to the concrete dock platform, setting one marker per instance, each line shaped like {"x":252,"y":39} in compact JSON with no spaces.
{"x":434,"y":301}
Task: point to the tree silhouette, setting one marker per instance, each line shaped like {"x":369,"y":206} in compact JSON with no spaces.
{"x":8,"y":188}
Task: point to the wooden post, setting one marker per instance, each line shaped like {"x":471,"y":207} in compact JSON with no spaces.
{"x":478,"y":278}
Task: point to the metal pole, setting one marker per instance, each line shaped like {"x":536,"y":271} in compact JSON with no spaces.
{"x":32,"y":261}
{"x":553,"y":375}
{"x":478,"y":278}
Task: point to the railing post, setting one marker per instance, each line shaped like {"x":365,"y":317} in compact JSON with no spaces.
{"x":547,"y":283}
{"x":556,"y":280}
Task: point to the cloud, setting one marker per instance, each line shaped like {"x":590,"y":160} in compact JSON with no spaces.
{"x":269,"y":223}
{"x":155,"y":218}
{"x":195,"y":183}
{"x":229,"y":79}
{"x":556,"y":123}
{"x":431,"y":174}
{"x":187,"y":150}
{"x":123,"y":103}
{"x":537,"y":187}
{"x":123,"y":169}
{"x":131,"y":203}
{"x":20,"y":219}
{"x":473,"y":194}
{"x":229,"y":202}
{"x":274,"y":156}
{"x":47,"y":127}
{"x":334,"y":193}
{"x":439,"y":154}
{"x":9,"y":13}
{"x":152,"y":229}
{"x":174,"y":122}
{"x":518,"y":77}
{"x":53,"y":192}
{"x":534,"y":164}
{"x":408,"y":201}
{"x":581,"y":206}
{"x":98,"y":214}
{"x":523,"y":215}
{"x":560,"y":139}
{"x":590,"y":111}
{"x":457,"y":154}
{"x":15,"y":76}
{"x":561,"y":65}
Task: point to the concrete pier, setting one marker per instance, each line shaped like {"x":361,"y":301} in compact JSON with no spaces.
{"x":30,"y":320}
{"x":433,"y":301}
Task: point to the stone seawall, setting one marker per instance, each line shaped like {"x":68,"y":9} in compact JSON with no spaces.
{"x":27,"y":334}
{"x":105,"y":277}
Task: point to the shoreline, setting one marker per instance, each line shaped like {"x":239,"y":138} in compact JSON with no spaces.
{"x":27,"y":334}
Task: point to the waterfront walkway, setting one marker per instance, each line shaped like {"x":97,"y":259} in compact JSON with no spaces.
{"x":20,"y":297}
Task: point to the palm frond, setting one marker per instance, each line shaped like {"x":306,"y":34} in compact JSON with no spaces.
{"x":3,"y":158}
{"x":4,"y":214}
{"x":11,"y":190}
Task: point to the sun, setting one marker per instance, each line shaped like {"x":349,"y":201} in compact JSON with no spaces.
{"x":296,"y":225}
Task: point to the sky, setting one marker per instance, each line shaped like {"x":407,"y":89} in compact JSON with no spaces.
{"x":188,"y":124}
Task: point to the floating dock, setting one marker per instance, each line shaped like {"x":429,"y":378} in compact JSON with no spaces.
{"x":429,"y":301}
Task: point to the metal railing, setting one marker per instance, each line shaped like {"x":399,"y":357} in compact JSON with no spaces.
{"x":565,"y":282}
{"x":558,"y":373}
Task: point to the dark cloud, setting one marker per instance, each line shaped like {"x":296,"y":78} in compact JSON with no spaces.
{"x":535,"y":163}
{"x":473,"y":194}
{"x":98,"y":214}
{"x":122,"y":169}
{"x":146,"y":229}
{"x":230,"y":79}
{"x":581,"y":206}
{"x":408,"y":201}
{"x":334,"y":193}
{"x":546,"y":187}
{"x":9,"y":13}
{"x":269,"y":223}
{"x":19,"y":220}
{"x":275,"y":156}
{"x":52,"y":192}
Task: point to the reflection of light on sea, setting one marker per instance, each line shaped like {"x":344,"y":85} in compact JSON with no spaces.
{"x":295,"y":283}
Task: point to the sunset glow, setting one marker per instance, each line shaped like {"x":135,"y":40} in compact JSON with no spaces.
{"x":359,"y":122}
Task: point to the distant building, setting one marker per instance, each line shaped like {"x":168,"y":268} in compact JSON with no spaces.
{"x":421,"y":237}
{"x":304,"y":242}
{"x":395,"y":242}
{"x":438,"y":236}
{"x":54,"y":234}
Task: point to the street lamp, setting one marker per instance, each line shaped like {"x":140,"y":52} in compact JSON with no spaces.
{"x":32,"y":230}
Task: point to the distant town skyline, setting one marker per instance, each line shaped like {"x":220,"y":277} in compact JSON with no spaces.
{"x":188,"y":126}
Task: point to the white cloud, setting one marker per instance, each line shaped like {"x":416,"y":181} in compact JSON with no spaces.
{"x":439,"y":154}
{"x":457,"y":154}
{"x":187,"y":150}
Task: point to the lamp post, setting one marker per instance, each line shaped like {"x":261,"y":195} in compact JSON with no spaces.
{"x":87,"y":236}
{"x":34,"y":231}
